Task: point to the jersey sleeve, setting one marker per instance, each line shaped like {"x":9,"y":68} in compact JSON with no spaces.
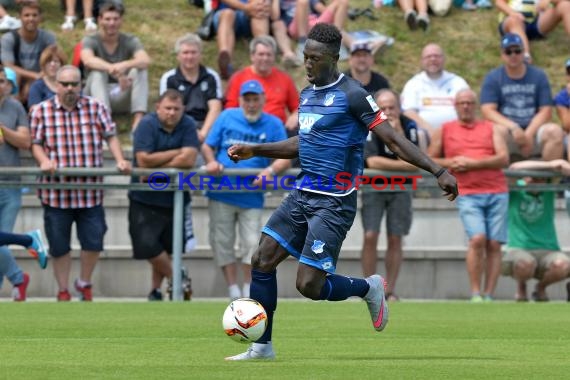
{"x":365,"y":109}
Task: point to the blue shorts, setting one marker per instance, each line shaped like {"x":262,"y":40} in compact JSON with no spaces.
{"x":242,"y":25}
{"x":312,"y":226}
{"x":89,"y":222}
{"x":531,"y":30}
{"x":485,"y":214}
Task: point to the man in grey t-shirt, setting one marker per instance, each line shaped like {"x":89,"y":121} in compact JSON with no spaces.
{"x":117,"y":65}
{"x":21,"y":49}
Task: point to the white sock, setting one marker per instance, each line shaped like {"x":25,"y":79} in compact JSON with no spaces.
{"x":245,"y":290}
{"x":234,"y":291}
{"x":262,"y":347}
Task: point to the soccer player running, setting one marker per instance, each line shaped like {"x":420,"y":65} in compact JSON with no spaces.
{"x":335,"y":115}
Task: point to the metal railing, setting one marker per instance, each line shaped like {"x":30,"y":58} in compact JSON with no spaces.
{"x":427,"y":181}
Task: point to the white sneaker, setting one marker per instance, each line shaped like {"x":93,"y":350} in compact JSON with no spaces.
{"x":68,"y":24}
{"x":257,"y":351}
{"x":9,"y":23}
{"x":377,"y":305}
{"x":90,"y":25}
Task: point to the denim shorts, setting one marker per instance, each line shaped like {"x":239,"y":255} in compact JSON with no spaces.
{"x":89,"y":222}
{"x":242,"y":26}
{"x":485,"y":214}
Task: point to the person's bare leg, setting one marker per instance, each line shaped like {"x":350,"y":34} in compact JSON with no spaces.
{"x":393,"y":261}
{"x":557,"y":271}
{"x":369,"y":256}
{"x":493,"y":266}
{"x":61,"y":270}
{"x":88,"y":262}
{"x":474,"y":261}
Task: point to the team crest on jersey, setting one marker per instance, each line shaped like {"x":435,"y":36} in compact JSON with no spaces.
{"x":304,"y":101}
{"x":181,"y":88}
{"x":372,"y":103}
{"x":329,"y":98}
{"x":204,"y":86}
{"x":307,"y":120}
{"x":318,"y":246}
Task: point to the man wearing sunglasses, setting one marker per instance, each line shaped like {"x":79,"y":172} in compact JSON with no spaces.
{"x":68,"y":131}
{"x":517,"y":97}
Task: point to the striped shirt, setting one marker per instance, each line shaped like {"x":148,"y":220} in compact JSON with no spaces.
{"x":73,"y":139}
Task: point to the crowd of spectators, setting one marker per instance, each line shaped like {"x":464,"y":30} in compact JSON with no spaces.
{"x":516,"y":106}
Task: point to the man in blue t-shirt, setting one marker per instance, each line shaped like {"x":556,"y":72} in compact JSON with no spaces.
{"x":166,"y":138}
{"x":517,"y":97}
{"x":335,"y":116}
{"x":562,"y":101}
{"x":247,"y":124}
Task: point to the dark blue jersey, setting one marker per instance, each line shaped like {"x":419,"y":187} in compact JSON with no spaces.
{"x":333,"y":124}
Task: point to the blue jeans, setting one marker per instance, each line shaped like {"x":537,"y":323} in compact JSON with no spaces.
{"x":485,"y":214}
{"x":10,"y":203}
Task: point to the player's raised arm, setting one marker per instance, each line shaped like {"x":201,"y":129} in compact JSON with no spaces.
{"x":283,"y":149}
{"x":407,"y":151}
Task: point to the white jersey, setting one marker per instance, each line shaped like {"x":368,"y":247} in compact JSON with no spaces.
{"x":433,"y":100}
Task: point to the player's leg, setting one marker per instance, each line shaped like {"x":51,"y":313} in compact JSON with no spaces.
{"x":329,"y":219}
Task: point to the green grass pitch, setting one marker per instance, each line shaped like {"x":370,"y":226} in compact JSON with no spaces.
{"x":313,"y":340}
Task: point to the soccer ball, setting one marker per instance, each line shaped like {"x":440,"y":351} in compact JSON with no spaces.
{"x":244,"y":320}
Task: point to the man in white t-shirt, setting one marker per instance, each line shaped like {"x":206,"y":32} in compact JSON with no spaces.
{"x":428,"y":97}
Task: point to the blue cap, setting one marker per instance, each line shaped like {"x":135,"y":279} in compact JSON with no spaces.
{"x":251,"y":87}
{"x":11,"y":76}
{"x":511,"y":39}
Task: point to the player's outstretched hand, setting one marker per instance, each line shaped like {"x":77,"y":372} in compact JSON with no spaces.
{"x":448,"y":183}
{"x":240,"y":152}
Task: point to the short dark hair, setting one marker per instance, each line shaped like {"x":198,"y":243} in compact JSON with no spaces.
{"x":29,"y":4}
{"x":171,"y":94}
{"x":112,"y":6}
{"x":327,"y":34}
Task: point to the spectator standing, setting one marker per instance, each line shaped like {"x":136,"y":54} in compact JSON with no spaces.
{"x":68,"y":131}
{"x":21,"y":49}
{"x":166,"y":138}
{"x":533,"y":250}
{"x":281,"y":95}
{"x":238,"y":18}
{"x":71,"y":18}
{"x":51,"y":59}
{"x":475,"y":152}
{"x":360,"y":64}
{"x":532,"y":19}
{"x":517,"y":97}
{"x":200,"y":86}
{"x":14,"y":135}
{"x":562,"y":101}
{"x":428,"y":97}
{"x":247,"y":124}
{"x":396,"y":205}
{"x":117,"y":64}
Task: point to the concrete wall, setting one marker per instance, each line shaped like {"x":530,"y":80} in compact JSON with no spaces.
{"x":433,"y":267}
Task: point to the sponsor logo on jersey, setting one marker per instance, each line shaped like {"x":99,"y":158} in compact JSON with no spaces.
{"x":306,"y":121}
{"x":372,"y":103}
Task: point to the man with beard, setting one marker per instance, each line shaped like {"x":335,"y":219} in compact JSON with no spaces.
{"x":247,"y":124}
{"x":68,"y":132}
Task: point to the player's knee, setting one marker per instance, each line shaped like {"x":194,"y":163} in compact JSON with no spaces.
{"x":309,"y":289}
{"x":265,"y":258}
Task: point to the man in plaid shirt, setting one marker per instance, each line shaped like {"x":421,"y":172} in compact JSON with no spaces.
{"x":68,"y":132}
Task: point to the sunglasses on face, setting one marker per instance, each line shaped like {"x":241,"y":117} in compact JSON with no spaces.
{"x":512,"y":51}
{"x":67,"y":84}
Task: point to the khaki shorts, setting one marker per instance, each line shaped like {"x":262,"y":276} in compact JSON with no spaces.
{"x":224,"y":219}
{"x":542,"y":258}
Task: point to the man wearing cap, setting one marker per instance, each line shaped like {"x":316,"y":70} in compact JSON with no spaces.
{"x":14,"y":135}
{"x":247,"y":124}
{"x":562,"y":101}
{"x":360,"y":68}
{"x":517,"y":96}
{"x":532,"y":20}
